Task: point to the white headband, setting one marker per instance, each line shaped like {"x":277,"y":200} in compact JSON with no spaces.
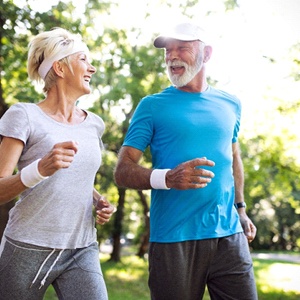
{"x":47,"y":63}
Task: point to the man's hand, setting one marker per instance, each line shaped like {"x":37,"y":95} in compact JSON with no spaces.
{"x":248,"y":226}
{"x":189,"y":175}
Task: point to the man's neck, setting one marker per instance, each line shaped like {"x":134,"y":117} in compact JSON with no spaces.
{"x":194,"y":87}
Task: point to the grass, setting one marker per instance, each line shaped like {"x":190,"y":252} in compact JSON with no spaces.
{"x":277,"y":280}
{"x":127,"y":280}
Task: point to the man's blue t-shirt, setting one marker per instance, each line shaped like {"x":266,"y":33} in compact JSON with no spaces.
{"x":180,"y":126}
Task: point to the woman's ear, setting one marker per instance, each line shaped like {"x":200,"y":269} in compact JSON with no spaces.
{"x":207,"y":53}
{"x":58,"y":68}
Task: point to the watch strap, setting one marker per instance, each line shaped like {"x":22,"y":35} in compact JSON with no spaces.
{"x":240,"y":204}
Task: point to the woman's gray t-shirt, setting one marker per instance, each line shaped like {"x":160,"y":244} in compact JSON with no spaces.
{"x":58,"y":212}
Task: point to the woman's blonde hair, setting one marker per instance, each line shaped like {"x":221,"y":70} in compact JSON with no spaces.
{"x":47,"y":45}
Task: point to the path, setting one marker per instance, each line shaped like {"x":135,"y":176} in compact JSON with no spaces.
{"x":277,"y":256}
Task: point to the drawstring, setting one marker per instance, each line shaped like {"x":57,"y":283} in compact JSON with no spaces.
{"x":47,"y":274}
{"x":44,"y":262}
{"x":41,"y":267}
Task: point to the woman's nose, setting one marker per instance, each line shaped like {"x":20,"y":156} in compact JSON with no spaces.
{"x":92,"y":69}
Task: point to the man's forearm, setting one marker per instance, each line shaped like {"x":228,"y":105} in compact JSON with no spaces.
{"x":132,"y":176}
{"x":238,"y":174}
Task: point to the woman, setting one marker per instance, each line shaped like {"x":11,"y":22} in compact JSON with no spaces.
{"x":50,"y":237}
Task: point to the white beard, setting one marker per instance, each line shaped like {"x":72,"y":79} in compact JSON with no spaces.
{"x":188,"y":75}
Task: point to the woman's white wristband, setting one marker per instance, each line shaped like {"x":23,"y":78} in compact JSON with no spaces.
{"x":158,"y":179}
{"x":30,"y":175}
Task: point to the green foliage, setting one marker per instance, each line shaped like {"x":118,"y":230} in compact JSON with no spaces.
{"x":19,"y":24}
{"x":272,"y":186}
{"x":14,"y":41}
{"x":295,"y":55}
{"x":231,"y":4}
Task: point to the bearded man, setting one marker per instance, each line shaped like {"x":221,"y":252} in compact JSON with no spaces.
{"x":199,"y":229}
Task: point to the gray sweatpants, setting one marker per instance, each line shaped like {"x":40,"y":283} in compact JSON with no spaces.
{"x":26,"y":271}
{"x":180,"y":271}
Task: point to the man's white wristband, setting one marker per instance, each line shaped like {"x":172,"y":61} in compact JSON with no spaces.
{"x":30,"y":175}
{"x":158,"y":179}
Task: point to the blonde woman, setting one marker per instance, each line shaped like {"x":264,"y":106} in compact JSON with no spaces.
{"x":50,"y":237}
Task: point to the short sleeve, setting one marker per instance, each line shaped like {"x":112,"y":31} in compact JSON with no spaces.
{"x":99,"y":125}
{"x":140,"y":130}
{"x":14,"y":123}
{"x":238,"y":121}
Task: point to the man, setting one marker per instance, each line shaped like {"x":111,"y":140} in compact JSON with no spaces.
{"x":199,"y":226}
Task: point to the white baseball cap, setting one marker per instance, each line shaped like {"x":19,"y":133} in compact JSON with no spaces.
{"x":181,"y":32}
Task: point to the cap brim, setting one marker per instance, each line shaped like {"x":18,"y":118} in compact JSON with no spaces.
{"x":160,"y":41}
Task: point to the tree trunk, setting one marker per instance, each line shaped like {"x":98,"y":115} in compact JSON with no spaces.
{"x":143,"y":249}
{"x":117,"y":230}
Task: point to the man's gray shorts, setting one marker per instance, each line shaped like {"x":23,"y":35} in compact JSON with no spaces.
{"x":181,"y":271}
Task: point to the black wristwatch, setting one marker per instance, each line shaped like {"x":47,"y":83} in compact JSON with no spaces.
{"x":240,"y":204}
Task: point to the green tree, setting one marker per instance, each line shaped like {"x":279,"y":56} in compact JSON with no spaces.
{"x":272,"y":190}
